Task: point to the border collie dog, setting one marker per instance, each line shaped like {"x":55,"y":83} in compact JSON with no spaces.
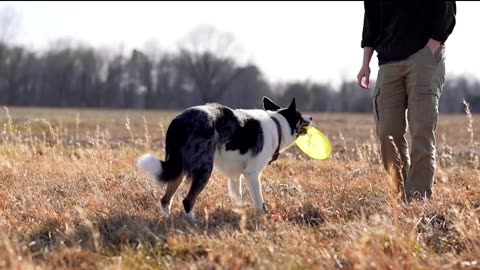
{"x":238,"y":143}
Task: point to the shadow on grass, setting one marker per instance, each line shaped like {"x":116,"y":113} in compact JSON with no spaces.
{"x":308,"y":215}
{"x":111,"y":235}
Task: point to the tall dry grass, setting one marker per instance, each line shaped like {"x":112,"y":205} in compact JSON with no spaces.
{"x":71,"y":198}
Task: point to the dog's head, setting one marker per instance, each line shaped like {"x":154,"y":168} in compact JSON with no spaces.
{"x":295,"y":120}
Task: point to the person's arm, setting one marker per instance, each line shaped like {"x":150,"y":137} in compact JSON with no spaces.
{"x":371,"y":27}
{"x":371,"y":23}
{"x":443,"y":22}
{"x":363,"y":76}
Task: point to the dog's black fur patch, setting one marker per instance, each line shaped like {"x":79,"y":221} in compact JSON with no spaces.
{"x":294,"y":117}
{"x":193,"y":135}
{"x":247,"y":134}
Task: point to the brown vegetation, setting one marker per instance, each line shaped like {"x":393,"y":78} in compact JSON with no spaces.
{"x":70,"y":197}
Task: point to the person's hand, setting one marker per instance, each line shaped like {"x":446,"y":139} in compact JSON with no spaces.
{"x":433,"y":45}
{"x":363,"y":77}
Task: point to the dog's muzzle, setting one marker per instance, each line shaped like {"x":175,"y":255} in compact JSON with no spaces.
{"x":304,"y":122}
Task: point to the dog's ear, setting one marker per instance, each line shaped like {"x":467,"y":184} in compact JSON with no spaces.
{"x":269,"y":105}
{"x":293,"y":106}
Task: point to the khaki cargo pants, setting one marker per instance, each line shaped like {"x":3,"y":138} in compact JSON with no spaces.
{"x":410,"y":89}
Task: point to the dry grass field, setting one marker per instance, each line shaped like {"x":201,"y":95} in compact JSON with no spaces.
{"x":71,"y":198}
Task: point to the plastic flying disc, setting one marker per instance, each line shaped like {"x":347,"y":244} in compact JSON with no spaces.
{"x":315,"y":144}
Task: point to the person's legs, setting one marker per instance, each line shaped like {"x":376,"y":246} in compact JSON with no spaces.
{"x":425,"y":79}
{"x":389,"y":105}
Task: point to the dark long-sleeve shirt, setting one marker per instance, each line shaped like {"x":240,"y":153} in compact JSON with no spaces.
{"x":398,"y":29}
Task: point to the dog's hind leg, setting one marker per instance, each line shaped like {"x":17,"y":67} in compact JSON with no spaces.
{"x":235,"y":188}
{"x":253,"y":180}
{"x":172,"y":188}
{"x":200,"y":179}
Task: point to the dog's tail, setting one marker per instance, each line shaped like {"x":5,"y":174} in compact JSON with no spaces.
{"x":172,"y":167}
{"x":162,"y":171}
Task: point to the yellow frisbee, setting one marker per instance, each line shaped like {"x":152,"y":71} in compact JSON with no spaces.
{"x":315,"y":144}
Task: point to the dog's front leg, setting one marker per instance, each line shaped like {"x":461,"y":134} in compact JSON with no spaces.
{"x":253,"y":180}
{"x":235,"y":189}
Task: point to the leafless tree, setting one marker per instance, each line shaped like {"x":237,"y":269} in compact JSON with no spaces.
{"x":208,"y":57}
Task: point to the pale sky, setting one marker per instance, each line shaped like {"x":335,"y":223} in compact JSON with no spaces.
{"x":319,"y":41}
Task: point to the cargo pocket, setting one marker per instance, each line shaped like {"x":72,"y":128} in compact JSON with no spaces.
{"x":430,"y":81}
{"x":423,"y":115}
{"x":376,"y":115}
{"x":427,"y":70}
{"x":427,"y":90}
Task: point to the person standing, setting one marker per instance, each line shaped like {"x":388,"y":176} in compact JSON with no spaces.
{"x":409,"y":38}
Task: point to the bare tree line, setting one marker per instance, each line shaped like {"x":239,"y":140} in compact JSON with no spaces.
{"x":204,"y":69}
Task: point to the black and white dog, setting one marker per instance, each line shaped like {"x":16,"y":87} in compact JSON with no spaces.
{"x":237,"y":142}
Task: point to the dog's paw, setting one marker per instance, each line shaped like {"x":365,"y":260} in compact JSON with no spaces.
{"x":190,"y":216}
{"x":166,"y":209}
{"x":266,"y":209}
